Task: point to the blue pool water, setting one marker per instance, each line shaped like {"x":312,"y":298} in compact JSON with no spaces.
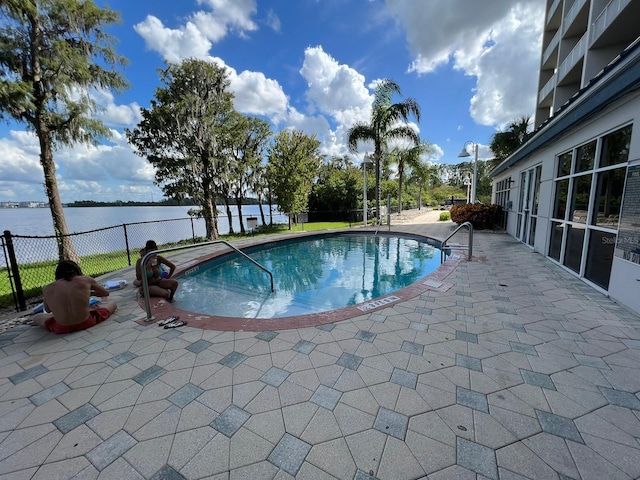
{"x":311,"y":275}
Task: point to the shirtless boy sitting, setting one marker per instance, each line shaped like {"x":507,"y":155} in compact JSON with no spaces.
{"x":68,"y":301}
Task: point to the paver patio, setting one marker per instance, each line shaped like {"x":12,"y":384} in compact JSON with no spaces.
{"x":517,"y":370}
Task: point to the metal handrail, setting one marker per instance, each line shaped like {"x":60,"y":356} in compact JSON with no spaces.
{"x":145,"y":280}
{"x":465,"y":224}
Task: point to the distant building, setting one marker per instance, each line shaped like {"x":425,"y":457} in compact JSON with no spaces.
{"x":572,"y":192}
{"x":23,"y":204}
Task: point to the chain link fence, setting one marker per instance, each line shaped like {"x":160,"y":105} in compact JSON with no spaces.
{"x":28,"y":263}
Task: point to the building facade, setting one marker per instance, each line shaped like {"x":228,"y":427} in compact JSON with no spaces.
{"x":572,"y":192}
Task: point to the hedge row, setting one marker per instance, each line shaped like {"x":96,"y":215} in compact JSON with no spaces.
{"x":482,"y":217}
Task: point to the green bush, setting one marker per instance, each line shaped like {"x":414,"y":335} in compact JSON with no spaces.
{"x":444,"y":216}
{"x":482,"y":217}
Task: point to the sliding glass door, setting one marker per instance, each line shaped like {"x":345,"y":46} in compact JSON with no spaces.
{"x":528,"y":205}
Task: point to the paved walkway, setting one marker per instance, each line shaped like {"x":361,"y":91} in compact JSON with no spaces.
{"x":510,"y":369}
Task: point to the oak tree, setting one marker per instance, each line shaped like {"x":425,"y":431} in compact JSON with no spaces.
{"x":179,"y":134}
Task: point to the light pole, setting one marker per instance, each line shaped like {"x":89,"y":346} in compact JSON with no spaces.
{"x":365,"y":162}
{"x":474,"y":181}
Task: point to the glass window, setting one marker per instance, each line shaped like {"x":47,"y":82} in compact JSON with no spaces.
{"x":560,"y":204}
{"x":523,"y":179}
{"x":588,"y":194}
{"x":615,"y":147}
{"x":600,"y":257}
{"x":585,"y":157}
{"x":564,"y":164}
{"x":573,"y":249}
{"x":536,"y":190}
{"x":580,"y":198}
{"x":556,"y":240}
{"x":609,"y":189}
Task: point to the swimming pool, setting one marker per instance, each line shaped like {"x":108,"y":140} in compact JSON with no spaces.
{"x":312,"y":274}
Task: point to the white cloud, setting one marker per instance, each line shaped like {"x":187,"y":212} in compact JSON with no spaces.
{"x":256,"y":94}
{"x":203,"y":28}
{"x":273,"y":21}
{"x":20,"y":153}
{"x":498,"y":43}
{"x":83,"y":171}
{"x":232,"y":14}
{"x":335,"y":89}
{"x":116,"y":115}
{"x":507,"y":76}
{"x":173,"y":44}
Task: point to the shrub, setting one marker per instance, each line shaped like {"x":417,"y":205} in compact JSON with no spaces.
{"x":482,"y":217}
{"x":444,"y":216}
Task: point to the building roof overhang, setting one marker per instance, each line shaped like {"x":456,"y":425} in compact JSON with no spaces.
{"x":620,"y":77}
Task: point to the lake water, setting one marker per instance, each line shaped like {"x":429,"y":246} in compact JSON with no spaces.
{"x":37,"y":222}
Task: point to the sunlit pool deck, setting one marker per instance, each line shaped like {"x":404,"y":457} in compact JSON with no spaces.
{"x":505,"y":367}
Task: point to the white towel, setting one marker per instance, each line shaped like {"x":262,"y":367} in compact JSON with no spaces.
{"x":115,"y":284}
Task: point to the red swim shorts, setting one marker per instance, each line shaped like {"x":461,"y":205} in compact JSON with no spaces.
{"x":96,"y":316}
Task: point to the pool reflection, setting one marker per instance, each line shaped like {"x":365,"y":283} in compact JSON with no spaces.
{"x":311,"y":274}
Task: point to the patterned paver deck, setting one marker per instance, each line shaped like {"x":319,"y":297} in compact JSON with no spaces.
{"x":518,"y":370}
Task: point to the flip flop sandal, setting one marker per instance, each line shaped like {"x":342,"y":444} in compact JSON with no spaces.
{"x":168,"y":320}
{"x":179,"y":323}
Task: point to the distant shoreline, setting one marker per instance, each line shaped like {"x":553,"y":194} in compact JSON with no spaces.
{"x":88,"y":203}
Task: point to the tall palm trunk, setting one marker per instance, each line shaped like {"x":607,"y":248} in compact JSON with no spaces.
{"x":400,"y":180}
{"x":66,"y":251}
{"x":378,"y":155}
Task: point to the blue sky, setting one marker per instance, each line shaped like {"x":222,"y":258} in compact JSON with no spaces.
{"x":309,"y":65}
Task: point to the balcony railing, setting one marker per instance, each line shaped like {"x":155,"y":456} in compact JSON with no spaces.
{"x":548,"y":88}
{"x":606,"y":17}
{"x":573,"y":58}
{"x":553,"y":44}
{"x":552,"y":10}
{"x":572,"y":14}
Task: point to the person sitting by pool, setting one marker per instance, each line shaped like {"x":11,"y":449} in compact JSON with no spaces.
{"x":159,"y":286}
{"x":67,"y":301}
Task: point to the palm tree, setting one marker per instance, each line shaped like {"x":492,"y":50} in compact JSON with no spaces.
{"x":505,"y":143}
{"x":388,"y":121}
{"x":407,"y":157}
{"x":421,"y":174}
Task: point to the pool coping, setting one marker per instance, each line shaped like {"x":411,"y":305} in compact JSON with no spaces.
{"x":435,"y":281}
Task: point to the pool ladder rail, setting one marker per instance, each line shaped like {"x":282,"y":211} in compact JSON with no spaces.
{"x":145,"y":281}
{"x":469,"y":247}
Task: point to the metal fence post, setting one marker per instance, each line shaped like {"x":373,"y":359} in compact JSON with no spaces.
{"x":21,"y":303}
{"x":126,"y":243}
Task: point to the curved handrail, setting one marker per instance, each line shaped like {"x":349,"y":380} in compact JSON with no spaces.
{"x":145,"y":281}
{"x":465,"y":224}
